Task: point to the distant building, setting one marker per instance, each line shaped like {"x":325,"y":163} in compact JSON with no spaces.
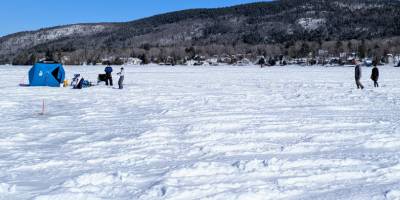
{"x":224,"y":58}
{"x":322,"y":53}
{"x":132,"y":61}
{"x":194,"y":63}
{"x":212,"y":61}
{"x":390,"y":59}
{"x":243,"y":62}
{"x":65,"y":59}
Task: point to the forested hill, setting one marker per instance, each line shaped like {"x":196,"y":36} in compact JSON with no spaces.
{"x":289,"y":27}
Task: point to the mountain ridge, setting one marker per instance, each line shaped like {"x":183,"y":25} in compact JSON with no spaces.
{"x":266,"y":28}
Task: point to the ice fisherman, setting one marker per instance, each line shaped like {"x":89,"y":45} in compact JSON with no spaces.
{"x":108,"y":71}
{"x":375,"y":75}
{"x":121,"y":75}
{"x":357,"y":75}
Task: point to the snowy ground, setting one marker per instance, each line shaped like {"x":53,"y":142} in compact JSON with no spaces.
{"x":202,"y":133}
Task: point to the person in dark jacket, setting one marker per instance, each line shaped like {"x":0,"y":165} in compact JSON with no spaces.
{"x":358,"y":74}
{"x":271,"y":62}
{"x":375,"y":76}
{"x":121,"y":75}
{"x":108,"y":71}
{"x":261,"y":62}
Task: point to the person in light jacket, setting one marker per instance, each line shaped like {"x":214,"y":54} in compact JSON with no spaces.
{"x":357,"y":75}
{"x":121,"y":75}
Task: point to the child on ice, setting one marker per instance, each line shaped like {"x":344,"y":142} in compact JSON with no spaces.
{"x":121,"y":75}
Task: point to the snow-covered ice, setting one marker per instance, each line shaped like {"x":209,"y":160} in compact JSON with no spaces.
{"x":202,"y":133}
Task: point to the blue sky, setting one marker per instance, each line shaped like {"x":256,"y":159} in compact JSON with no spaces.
{"x":22,"y":15}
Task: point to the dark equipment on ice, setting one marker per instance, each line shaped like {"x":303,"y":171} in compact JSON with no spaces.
{"x":75,"y":79}
{"x":79,"y":82}
{"x":101,"y":78}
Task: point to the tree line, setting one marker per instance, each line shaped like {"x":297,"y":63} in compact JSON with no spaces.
{"x":152,"y":54}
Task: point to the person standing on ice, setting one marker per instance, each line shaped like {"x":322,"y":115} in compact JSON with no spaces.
{"x":108,"y":71}
{"x":358,"y":74}
{"x":261,"y":62}
{"x":121,"y":75}
{"x":375,"y":75}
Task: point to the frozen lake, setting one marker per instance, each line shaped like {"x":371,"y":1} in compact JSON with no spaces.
{"x":202,"y":133}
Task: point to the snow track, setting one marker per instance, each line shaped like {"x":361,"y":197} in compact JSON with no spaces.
{"x":203,"y":133}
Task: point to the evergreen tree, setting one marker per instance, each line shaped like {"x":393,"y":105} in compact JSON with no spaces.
{"x":339,"y":47}
{"x":304,"y":50}
{"x":32,"y":59}
{"x":350,"y":47}
{"x":191,"y":52}
{"x":49,"y":55}
{"x":362,"y":49}
{"x":144,"y":59}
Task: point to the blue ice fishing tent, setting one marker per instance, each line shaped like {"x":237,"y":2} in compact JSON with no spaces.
{"x":50,"y":74}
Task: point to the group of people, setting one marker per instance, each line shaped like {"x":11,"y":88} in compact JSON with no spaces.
{"x":358,"y":74}
{"x":108,"y":77}
{"x":374,"y":76}
{"x":78,"y":82}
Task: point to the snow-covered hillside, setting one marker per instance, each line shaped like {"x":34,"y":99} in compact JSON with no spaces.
{"x":28,"y":39}
{"x":202,"y":133}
